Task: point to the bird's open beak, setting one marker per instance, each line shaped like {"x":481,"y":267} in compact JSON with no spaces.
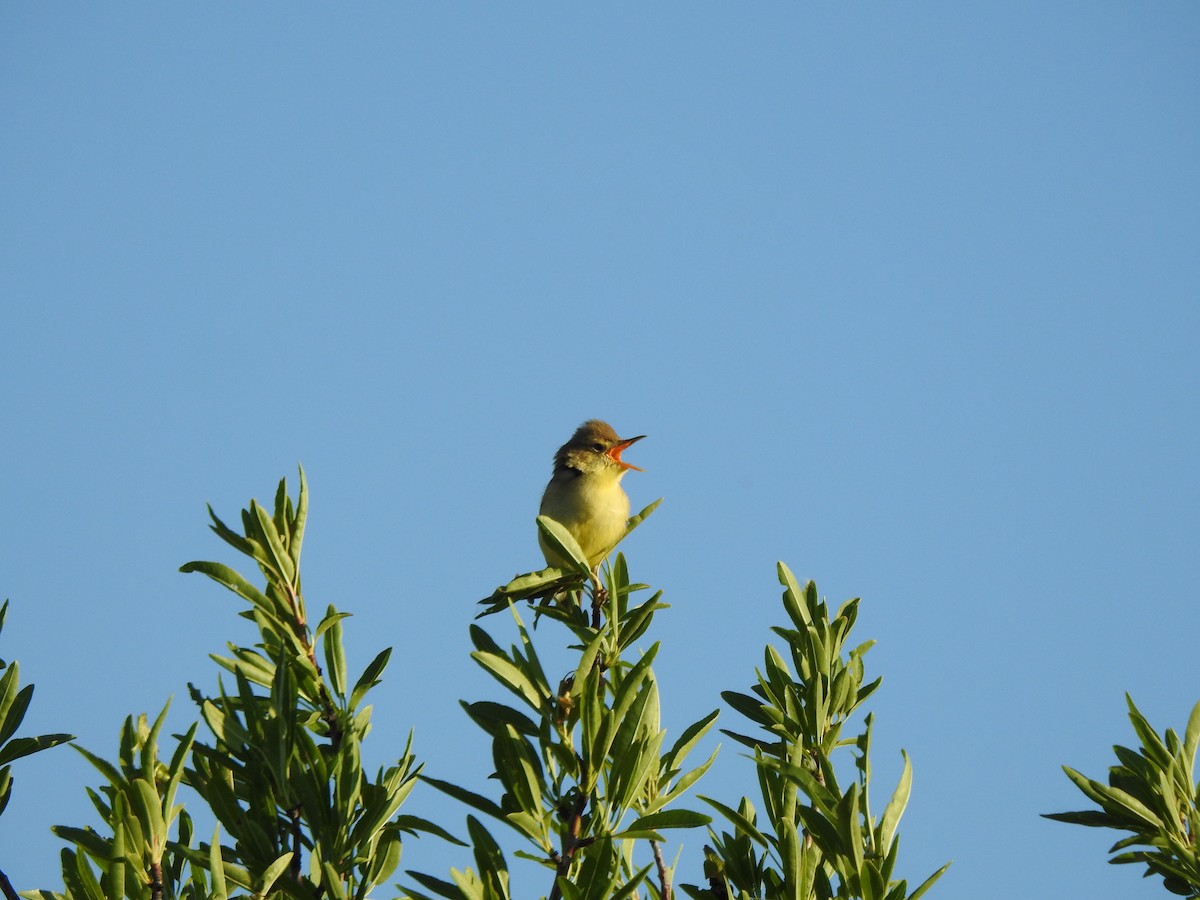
{"x":614,"y":453}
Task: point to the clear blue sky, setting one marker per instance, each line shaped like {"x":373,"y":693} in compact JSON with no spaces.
{"x":906,"y":295}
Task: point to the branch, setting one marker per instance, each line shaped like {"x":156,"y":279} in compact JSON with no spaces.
{"x":329,"y":711}
{"x":294,"y":815}
{"x":156,"y":881}
{"x":664,"y":877}
{"x":599,"y":598}
{"x":6,"y":887}
{"x":571,"y":843}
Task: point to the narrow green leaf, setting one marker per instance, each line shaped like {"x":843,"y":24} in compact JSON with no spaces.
{"x":671,"y":818}
{"x":84,"y":838}
{"x":149,"y":752}
{"x":279,"y":557}
{"x":635,"y":521}
{"x":793,"y":598}
{"x":475,"y":801}
{"x":25,"y":746}
{"x":1191,"y":739}
{"x":335,"y":653}
{"x":743,"y":824}
{"x":370,"y":676}
{"x":149,"y":812}
{"x":928,"y":883}
{"x":13,"y":701}
{"x":562,"y":544}
{"x":230,"y":579}
{"x":509,"y":675}
{"x":216,"y":867}
{"x":114,"y":877}
{"x":298,"y":520}
{"x":690,"y":737}
{"x":895,"y":808}
{"x":332,"y":617}
{"x":270,"y":874}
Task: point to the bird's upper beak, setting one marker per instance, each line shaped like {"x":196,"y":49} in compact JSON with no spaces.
{"x":614,"y":453}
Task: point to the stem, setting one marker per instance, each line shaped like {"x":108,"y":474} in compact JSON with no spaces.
{"x":664,"y":877}
{"x":599,"y":598}
{"x":329,"y":713}
{"x":571,"y":842}
{"x":294,"y":815}
{"x":156,"y":882}
{"x":6,"y":887}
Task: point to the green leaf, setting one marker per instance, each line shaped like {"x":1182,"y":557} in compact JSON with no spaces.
{"x":491,"y":717}
{"x":488,"y":855}
{"x":332,"y":616}
{"x":475,"y":801}
{"x":114,"y":876}
{"x":509,"y":675}
{"x":793,"y":598}
{"x":230,"y":579}
{"x":13,"y":702}
{"x":690,"y":737}
{"x":743,"y":824}
{"x":635,"y":521}
{"x":748,"y":706}
{"x":298,"y":520}
{"x":928,"y":883}
{"x":149,"y":753}
{"x":335,"y":653}
{"x":442,"y":888}
{"x":1191,"y":739}
{"x":84,"y":838}
{"x":530,"y":586}
{"x":562,"y":544}
{"x":895,"y":808}
{"x":270,"y":874}
{"x":279,"y":557}
{"x":1092,"y":818}
{"x":20,"y":747}
{"x":370,"y":676}
{"x":670,"y":818}
{"x":107,"y":769}
{"x":518,"y":768}
{"x":149,"y":811}
{"x":216,"y":867}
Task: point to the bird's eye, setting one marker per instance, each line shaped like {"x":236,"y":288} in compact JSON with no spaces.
{"x":599,"y":448}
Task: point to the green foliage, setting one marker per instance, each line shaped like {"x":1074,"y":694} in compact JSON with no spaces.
{"x":14,"y":703}
{"x":818,"y":840}
{"x":1152,"y":794}
{"x":584,"y":777}
{"x":138,"y":806}
{"x":282,"y":771}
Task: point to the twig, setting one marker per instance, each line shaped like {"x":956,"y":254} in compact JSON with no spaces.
{"x":294,"y":815}
{"x":156,"y":882}
{"x":571,"y":843}
{"x":10,"y":892}
{"x":599,"y":598}
{"x":664,"y":877}
{"x":329,"y":713}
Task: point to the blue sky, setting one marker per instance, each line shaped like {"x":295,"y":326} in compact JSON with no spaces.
{"x":905,"y":295}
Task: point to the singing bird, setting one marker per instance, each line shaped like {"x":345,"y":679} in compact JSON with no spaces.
{"x":585,"y":494}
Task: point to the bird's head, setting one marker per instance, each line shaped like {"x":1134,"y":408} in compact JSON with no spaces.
{"x":594,"y":448}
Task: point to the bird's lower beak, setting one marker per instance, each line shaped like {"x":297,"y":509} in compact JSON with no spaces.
{"x":614,"y":453}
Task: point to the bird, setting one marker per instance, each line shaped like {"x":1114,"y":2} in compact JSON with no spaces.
{"x":585,"y":494}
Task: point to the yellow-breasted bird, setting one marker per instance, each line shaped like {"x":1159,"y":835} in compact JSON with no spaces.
{"x":585,"y":494}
